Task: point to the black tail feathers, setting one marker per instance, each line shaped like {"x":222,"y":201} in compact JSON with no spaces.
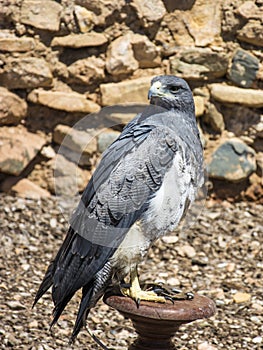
{"x":84,"y":308}
{"x":45,"y":284}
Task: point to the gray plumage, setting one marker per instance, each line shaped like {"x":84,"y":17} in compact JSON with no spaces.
{"x":141,"y":190}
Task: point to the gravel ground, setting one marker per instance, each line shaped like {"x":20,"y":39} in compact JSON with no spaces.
{"x":220,"y":257}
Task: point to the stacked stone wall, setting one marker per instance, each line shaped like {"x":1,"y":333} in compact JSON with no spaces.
{"x":64,"y":61}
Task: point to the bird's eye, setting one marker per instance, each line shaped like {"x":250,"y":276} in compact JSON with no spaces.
{"x":174,"y":89}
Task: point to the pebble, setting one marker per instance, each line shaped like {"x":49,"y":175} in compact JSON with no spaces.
{"x":240,"y":297}
{"x":25,"y":267}
{"x":257,"y":306}
{"x":95,"y":319}
{"x":213,"y":215}
{"x":23,"y":328}
{"x":53,"y":222}
{"x":184,"y":336}
{"x":170,"y":239}
{"x":15,"y":305}
{"x":187,"y":250}
{"x":48,"y":152}
{"x":206,"y":346}
{"x":33,"y":324}
{"x":173,"y":281}
{"x":231,"y":267}
{"x":220,"y":294}
{"x":257,"y":340}
{"x":12,"y":340}
{"x":256,"y":320}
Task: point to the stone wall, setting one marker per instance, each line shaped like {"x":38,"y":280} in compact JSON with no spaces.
{"x":62,"y":61}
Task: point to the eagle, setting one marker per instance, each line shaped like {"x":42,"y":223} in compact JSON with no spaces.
{"x":141,"y":190}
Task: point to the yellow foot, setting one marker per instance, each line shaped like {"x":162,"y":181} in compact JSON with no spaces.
{"x":155,"y":293}
{"x":138,"y":294}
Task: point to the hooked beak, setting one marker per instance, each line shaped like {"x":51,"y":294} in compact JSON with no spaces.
{"x":155,"y":90}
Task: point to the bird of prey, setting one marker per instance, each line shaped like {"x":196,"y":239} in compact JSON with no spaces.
{"x":140,"y":191}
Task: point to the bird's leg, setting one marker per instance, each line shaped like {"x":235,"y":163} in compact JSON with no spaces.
{"x":136,"y":293}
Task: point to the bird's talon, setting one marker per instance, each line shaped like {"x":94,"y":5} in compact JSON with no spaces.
{"x":190,"y":295}
{"x":124,"y":285}
{"x":169,"y":298}
{"x":176,"y":290}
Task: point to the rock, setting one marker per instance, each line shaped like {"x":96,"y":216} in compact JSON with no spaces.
{"x":25,"y":73}
{"x":258,"y":144}
{"x":204,"y":22}
{"x":216,"y":62}
{"x":233,"y":161}
{"x":106,"y":138}
{"x":121,"y":114}
{"x":18,"y":148}
{"x":255,"y":319}
{"x":244,"y":68}
{"x":87,"y":70}
{"x":33,"y":324}
{"x":103,"y":9}
{"x":206,"y":346}
{"x":77,"y":41}
{"x":172,"y":5}
{"x":81,"y":159}
{"x":199,"y":105}
{"x":59,"y":70}
{"x":251,"y":33}
{"x":257,"y":307}
{"x":249,"y":10}
{"x":230,"y":21}
{"x":149,"y":11}
{"x":15,"y":305}
{"x":64,"y":101}
{"x":41,"y":175}
{"x":240,"y":119}
{"x":170,"y":239}
{"x":120,"y":58}
{"x":202,"y":136}
{"x":27,"y":189}
{"x":69,"y":178}
{"x":16,"y":44}
{"x":255,"y":190}
{"x":232,"y":94}
{"x":231,"y":267}
{"x":214,"y":118}
{"x":12,"y":108}
{"x":199,"y":63}
{"x":84,"y":18}
{"x":257,"y":340}
{"x":258,"y":128}
{"x":82,"y":142}
{"x":188,"y":71}
{"x":145,"y":52}
{"x":129,"y":52}
{"x":176,"y":24}
{"x":188,"y":251}
{"x":259,"y":160}
{"x":240,"y":297}
{"x":43,"y":15}
{"x":48,"y":152}
{"x":135,"y":90}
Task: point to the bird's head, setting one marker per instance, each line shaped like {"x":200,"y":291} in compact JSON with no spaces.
{"x":170,"y":92}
